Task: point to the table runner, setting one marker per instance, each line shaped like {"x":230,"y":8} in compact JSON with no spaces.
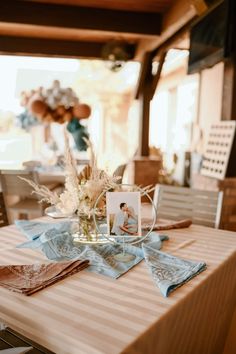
{"x":94,"y":315}
{"x":56,"y":242}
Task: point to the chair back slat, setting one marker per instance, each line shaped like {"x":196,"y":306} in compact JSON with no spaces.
{"x":119,"y":172}
{"x":3,"y":212}
{"x":202,"y":207}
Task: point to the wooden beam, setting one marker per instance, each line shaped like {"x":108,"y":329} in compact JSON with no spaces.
{"x":212,"y":2}
{"x":229,"y":90}
{"x":146,"y":67}
{"x":49,"y":47}
{"x":171,"y":41}
{"x":73,"y":34}
{"x":146,"y":74}
{"x":149,"y":56}
{"x":144,"y":93}
{"x":145,"y":120}
{"x":147,"y":84}
{"x":157,"y":76}
{"x":200,"y":6}
{"x":180,"y":13}
{"x":67,"y":16}
{"x":181,"y":32}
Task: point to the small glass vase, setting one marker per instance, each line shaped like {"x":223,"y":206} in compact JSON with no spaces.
{"x":85,"y":231}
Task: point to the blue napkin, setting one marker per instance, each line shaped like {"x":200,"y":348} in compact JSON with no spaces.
{"x":56,"y":242}
{"x":34,"y":229}
{"x":170,"y":272}
{"x":39,"y":233}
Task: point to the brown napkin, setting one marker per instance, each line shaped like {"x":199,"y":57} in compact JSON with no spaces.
{"x":164,"y":224}
{"x":28,"y":279}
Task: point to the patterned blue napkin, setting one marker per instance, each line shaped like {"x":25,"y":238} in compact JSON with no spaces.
{"x":34,"y":229}
{"x":170,"y":272}
{"x":56,"y":242}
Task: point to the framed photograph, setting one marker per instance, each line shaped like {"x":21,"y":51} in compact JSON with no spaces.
{"x":123,"y":213}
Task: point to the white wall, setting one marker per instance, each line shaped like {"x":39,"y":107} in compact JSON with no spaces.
{"x":210,"y":104}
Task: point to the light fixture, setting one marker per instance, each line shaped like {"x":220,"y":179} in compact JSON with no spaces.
{"x":116,"y":53}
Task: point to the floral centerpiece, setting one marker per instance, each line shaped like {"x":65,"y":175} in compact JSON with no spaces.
{"x":81,"y":191}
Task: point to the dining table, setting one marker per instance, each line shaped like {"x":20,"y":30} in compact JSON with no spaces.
{"x":89,"y":313}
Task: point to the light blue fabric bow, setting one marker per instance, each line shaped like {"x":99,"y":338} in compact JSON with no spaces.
{"x":170,"y":272}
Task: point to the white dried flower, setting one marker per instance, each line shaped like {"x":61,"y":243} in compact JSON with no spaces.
{"x":80,"y":195}
{"x":67,"y":204}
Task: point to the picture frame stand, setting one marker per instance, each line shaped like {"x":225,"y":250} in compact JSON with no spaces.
{"x":123,"y":256}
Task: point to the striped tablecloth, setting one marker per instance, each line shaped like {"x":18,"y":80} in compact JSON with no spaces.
{"x":92,"y":314}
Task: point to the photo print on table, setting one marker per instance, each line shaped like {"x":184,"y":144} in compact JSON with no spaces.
{"x":123,"y":213}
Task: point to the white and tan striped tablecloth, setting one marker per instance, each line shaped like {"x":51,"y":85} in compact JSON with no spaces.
{"x":92,"y":314}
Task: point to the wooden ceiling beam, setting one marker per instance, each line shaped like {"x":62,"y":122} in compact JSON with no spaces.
{"x":175,"y":18}
{"x":160,"y":52}
{"x":171,"y":42}
{"x":36,"y":31}
{"x":66,"y":16}
{"x":49,"y":47}
{"x":137,"y":5}
{"x":146,"y":77}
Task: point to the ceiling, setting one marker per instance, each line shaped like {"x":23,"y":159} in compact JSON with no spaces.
{"x":80,"y":28}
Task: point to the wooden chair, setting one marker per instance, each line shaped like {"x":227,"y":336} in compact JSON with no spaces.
{"x":3,"y":212}
{"x":176,"y":203}
{"x":19,"y":200}
{"x":119,"y":172}
{"x":10,"y":339}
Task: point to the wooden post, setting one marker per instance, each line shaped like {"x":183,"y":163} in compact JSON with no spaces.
{"x":145,"y":111}
{"x":145,"y":95}
{"x":229,"y":90}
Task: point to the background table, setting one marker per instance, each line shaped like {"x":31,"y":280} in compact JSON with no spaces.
{"x":54,"y":174}
{"x":92,"y":314}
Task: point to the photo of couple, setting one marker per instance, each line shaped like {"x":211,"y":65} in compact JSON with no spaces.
{"x":123,"y":213}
